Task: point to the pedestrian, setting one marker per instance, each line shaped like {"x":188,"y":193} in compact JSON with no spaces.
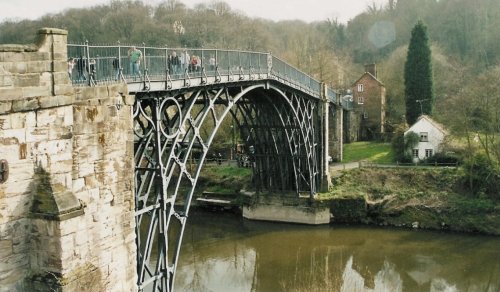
{"x":192,"y":63}
{"x":175,"y":63}
{"x":92,"y":69}
{"x":211,"y":63}
{"x":71,"y":65}
{"x":116,"y":67}
{"x":185,"y":60}
{"x":80,"y":68}
{"x":219,"y":159}
{"x":135,"y":57}
{"x":197,"y":64}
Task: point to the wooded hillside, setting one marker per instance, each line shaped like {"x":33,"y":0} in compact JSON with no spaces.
{"x":464,"y":34}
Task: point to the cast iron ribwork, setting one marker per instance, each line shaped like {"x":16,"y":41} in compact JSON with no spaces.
{"x":171,"y":127}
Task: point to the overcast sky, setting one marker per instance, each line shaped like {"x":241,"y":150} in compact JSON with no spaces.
{"x":307,"y":10}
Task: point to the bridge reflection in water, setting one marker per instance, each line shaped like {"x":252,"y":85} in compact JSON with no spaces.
{"x":280,"y":112}
{"x":226,"y":253}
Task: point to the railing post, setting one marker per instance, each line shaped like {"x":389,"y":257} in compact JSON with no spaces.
{"x":119,"y":74}
{"x":258,"y":64}
{"x":269,"y":63}
{"x":216,"y":58}
{"x":87,"y":62}
{"x":202,"y":63}
{"x":145,"y":76}
{"x":144,"y":57}
{"x":166,"y":60}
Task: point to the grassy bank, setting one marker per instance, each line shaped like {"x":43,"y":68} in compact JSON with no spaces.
{"x":417,"y":198}
{"x":224,"y":179}
{"x":430,"y":198}
{"x":370,"y":151}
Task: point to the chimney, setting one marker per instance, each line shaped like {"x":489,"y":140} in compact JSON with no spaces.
{"x":372,"y":69}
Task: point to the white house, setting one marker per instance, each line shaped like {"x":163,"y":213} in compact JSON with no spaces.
{"x":431,"y":136}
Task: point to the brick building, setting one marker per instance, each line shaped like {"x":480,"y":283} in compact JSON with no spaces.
{"x":369,"y":103}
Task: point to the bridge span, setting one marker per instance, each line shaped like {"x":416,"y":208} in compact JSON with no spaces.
{"x":101,"y":162}
{"x":182,"y":98}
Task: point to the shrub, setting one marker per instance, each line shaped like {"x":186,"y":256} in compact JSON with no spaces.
{"x":411,"y":140}
{"x":398,"y":141}
{"x":482,"y":176}
{"x":444,"y":158}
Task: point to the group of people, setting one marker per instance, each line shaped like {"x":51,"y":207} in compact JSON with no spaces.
{"x":85,"y":72}
{"x":177,"y":64}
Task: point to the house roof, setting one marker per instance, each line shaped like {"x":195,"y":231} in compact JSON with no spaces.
{"x":436,"y":125}
{"x":371,"y":75}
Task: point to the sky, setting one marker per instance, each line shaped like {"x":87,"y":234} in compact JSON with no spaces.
{"x":307,"y":10}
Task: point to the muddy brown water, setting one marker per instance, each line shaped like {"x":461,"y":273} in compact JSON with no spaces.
{"x":223,"y":252}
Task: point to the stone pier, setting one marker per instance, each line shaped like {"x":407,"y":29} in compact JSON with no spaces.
{"x":66,"y":179}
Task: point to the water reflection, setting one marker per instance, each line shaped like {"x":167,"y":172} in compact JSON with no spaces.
{"x":222,"y":252}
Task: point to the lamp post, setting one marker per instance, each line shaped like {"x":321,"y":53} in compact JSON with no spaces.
{"x":232,"y":141}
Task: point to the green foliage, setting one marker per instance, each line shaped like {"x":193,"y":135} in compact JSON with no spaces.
{"x":370,"y":151}
{"x":443,"y":158}
{"x":419,"y":90}
{"x":224,"y":179}
{"x":411,"y":140}
{"x":404,"y":183}
{"x":472,"y":114}
{"x":482,"y":176}
{"x":399,"y":144}
{"x":223,"y":172}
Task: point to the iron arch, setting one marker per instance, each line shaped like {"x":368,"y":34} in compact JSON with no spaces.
{"x":169,"y":126}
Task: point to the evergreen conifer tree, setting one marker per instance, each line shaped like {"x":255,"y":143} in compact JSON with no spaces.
{"x":419,"y":92}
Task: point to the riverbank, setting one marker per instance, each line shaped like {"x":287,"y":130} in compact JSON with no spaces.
{"x":417,"y":198}
{"x":413,"y":198}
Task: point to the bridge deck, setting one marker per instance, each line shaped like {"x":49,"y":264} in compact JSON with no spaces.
{"x":108,"y":64}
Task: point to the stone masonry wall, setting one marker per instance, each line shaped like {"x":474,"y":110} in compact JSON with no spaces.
{"x":66,"y":208}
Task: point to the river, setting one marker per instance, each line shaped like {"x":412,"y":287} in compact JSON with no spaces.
{"x":223,"y":252}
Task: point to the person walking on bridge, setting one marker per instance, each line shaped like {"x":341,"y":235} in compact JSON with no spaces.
{"x":175,"y":63}
{"x":185,"y":61}
{"x":135,"y":57}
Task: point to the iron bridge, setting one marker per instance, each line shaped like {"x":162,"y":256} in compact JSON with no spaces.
{"x":277,"y":109}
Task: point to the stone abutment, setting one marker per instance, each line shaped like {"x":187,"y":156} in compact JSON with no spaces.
{"x":66,"y":177}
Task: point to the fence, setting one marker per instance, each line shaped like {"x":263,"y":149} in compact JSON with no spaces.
{"x":405,"y":165}
{"x":94,"y":64}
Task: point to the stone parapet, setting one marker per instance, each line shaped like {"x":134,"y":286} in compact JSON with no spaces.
{"x":67,"y":208}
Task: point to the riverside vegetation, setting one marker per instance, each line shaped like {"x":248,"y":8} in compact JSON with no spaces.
{"x":429,"y":198}
{"x":432,"y":198}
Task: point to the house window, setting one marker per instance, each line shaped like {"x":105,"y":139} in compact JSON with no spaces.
{"x":415,"y":153}
{"x":361,"y":100}
{"x":428,"y":153}
{"x":423,"y":137}
{"x":365,"y":115}
{"x":360,"y":87}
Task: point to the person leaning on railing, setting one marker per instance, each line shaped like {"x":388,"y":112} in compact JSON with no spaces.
{"x":116,"y":67}
{"x":71,"y":65}
{"x":135,"y":57}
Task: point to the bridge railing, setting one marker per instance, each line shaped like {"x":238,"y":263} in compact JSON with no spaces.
{"x":96,"y":64}
{"x":285,"y":72}
{"x":332,"y":95}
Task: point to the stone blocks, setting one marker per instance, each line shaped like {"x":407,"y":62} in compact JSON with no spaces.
{"x":66,"y":211}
